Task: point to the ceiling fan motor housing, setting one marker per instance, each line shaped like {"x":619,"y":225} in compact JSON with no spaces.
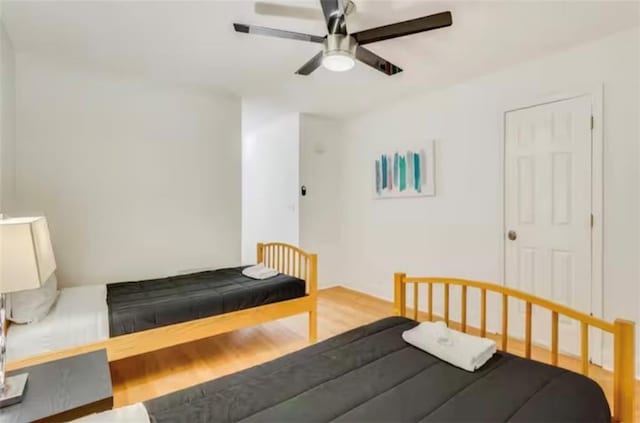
{"x":340,"y":44}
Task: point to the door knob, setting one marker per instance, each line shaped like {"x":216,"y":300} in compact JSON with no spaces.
{"x":512,"y":235}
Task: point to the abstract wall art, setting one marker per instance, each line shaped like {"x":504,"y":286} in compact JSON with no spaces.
{"x":405,"y":172}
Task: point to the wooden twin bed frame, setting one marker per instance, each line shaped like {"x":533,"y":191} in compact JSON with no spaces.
{"x":623,"y":330}
{"x":285,"y":258}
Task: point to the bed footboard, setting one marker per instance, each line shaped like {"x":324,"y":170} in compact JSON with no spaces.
{"x":295,"y":262}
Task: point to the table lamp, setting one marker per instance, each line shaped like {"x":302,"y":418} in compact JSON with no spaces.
{"x":26,"y":262}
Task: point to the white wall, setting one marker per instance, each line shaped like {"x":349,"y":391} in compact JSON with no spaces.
{"x":137,"y":179}
{"x":282,"y":151}
{"x":320,"y":172}
{"x":7,"y":122}
{"x":270,"y":174}
{"x":458,"y":232}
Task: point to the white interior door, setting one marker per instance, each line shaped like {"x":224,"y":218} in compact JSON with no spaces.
{"x":548,"y":213}
{"x":270,"y":181}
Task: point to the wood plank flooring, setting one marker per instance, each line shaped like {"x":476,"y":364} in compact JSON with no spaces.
{"x":339,"y":309}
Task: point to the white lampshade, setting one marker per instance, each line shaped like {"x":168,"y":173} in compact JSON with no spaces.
{"x":26,"y":254}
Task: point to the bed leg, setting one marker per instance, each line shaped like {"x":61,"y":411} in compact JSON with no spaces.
{"x":399,"y":295}
{"x":624,"y":371}
{"x":313,"y":326}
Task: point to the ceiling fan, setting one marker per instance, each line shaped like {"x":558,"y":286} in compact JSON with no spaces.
{"x":340,"y":49}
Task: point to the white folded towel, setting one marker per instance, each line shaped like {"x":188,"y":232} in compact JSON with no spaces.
{"x":259,"y":271}
{"x":460,"y":349}
{"x":442,"y":331}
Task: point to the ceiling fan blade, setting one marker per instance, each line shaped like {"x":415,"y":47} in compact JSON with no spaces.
{"x":311,"y":65}
{"x":271,"y":32}
{"x":287,"y":11}
{"x":400,"y":29}
{"x":376,"y":62}
{"x":333,"y":11}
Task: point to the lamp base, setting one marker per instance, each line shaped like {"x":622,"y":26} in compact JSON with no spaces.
{"x":13,"y":390}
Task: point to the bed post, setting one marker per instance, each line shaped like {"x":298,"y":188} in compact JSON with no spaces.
{"x":624,"y":372}
{"x":400,"y":294}
{"x":260,"y":253}
{"x":312,"y":280}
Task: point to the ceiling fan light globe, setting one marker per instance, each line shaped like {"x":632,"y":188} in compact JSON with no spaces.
{"x":338,"y":62}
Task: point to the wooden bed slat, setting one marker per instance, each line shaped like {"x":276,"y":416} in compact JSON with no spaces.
{"x":275,"y":257}
{"x":292,"y":263}
{"x":527,"y":331}
{"x":483,"y":313}
{"x":463,"y":299}
{"x":272,"y":253}
{"x":290,"y":268}
{"x":430,"y":295}
{"x":446,"y":304}
{"x":505,"y":321}
{"x":554,"y":338}
{"x":415,"y":301}
{"x":584,"y":348}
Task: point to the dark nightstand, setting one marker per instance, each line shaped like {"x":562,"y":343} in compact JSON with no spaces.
{"x":63,"y":390}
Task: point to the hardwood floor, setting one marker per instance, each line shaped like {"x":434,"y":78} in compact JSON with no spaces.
{"x":154,"y":374}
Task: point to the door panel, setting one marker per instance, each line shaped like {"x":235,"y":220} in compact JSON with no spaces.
{"x":548,"y":207}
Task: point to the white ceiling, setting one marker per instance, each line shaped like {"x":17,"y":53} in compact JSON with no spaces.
{"x":194,"y":43}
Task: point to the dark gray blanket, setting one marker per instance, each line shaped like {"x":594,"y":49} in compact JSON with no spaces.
{"x":370,"y":374}
{"x":137,"y":306}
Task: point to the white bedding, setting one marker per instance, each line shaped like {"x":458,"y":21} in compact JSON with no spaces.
{"x":79,"y":316}
{"x":135,"y":413}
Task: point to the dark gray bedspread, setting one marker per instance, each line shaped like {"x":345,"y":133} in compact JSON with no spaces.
{"x":370,"y":374}
{"x":137,"y":306}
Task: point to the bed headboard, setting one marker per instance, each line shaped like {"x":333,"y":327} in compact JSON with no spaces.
{"x":623,"y":330}
{"x":292,"y":261}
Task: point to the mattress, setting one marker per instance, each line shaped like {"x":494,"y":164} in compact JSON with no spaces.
{"x":370,"y":374}
{"x":79,"y":316}
{"x":148,"y":304}
{"x":135,"y":413}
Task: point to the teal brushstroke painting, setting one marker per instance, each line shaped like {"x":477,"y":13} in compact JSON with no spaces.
{"x":405,"y":173}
